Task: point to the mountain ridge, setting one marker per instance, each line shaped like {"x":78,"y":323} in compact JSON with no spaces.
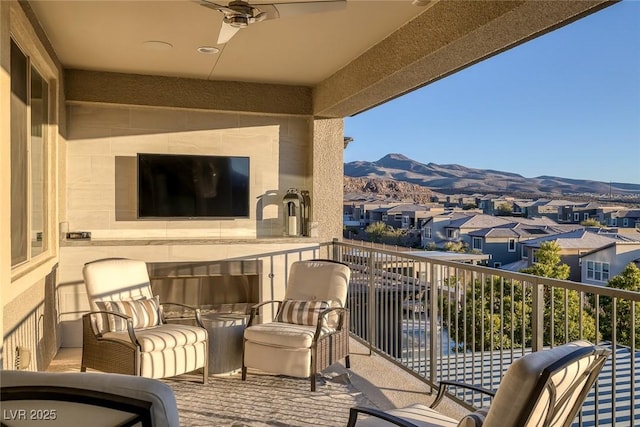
{"x":454,"y":178}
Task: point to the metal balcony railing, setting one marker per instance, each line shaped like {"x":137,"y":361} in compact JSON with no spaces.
{"x":441,"y":320}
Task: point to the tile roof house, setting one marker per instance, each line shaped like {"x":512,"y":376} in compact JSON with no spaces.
{"x":572,"y":244}
{"x":605,"y":262}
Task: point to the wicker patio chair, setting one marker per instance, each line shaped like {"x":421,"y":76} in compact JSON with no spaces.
{"x":126,"y":331}
{"x":541,"y":389}
{"x":310,"y":331}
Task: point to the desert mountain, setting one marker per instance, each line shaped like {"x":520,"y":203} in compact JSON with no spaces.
{"x":450,"y":179}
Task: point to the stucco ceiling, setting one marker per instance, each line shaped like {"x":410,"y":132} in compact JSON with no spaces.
{"x":305,"y":50}
{"x":350,"y":60}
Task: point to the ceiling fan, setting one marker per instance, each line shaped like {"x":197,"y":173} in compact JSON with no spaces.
{"x":240,"y":14}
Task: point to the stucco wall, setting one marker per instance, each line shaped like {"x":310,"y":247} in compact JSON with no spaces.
{"x":27,"y":294}
{"x":103,"y":142}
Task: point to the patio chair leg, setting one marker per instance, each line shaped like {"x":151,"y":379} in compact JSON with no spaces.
{"x":347,"y":362}
{"x":244,"y":373}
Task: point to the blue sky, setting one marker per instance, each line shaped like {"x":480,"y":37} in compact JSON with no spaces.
{"x":565,"y":104}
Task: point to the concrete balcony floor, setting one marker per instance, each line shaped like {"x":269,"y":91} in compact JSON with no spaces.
{"x":267,"y":400}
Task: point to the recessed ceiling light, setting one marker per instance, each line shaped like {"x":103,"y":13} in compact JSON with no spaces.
{"x":209,"y":50}
{"x":157,"y":45}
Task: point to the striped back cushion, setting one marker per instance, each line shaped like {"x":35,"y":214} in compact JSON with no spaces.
{"x":301,"y":312}
{"x":143,"y":312}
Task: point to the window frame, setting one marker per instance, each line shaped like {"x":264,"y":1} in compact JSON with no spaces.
{"x":475,"y":240}
{"x":598,"y":271}
{"x":23,"y":36}
{"x":509,"y":244}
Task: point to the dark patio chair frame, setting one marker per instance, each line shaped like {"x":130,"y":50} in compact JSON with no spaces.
{"x":544,"y":382}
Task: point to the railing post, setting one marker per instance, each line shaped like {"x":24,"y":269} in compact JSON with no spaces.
{"x":336,"y":251}
{"x":371,"y":326}
{"x":537,"y":316}
{"x":433,"y":311}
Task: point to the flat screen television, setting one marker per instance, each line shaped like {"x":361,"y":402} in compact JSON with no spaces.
{"x":192,"y":186}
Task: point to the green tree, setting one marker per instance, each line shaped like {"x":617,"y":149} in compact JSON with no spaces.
{"x":479,"y":324}
{"x":591,"y":222}
{"x":548,"y":262}
{"x":628,"y":280}
{"x":569,"y":322}
{"x":376,"y":231}
{"x":455,"y":247}
{"x":497,"y":313}
{"x":504,"y":209}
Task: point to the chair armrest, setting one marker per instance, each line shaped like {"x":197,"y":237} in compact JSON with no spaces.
{"x":255,"y":309}
{"x":322,"y":319}
{"x":442,"y":389}
{"x":353,"y":415}
{"x":130,"y":330}
{"x":196,"y":311}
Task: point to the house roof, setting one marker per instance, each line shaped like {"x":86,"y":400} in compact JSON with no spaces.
{"x":477,"y":221}
{"x":577,"y":239}
{"x":515,"y":266}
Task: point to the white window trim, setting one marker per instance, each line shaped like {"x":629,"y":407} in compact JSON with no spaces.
{"x":475,"y":240}
{"x":509,"y":242}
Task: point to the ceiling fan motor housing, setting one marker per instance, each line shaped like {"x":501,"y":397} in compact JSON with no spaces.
{"x":238,"y":21}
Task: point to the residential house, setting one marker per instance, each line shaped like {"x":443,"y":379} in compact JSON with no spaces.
{"x":408,"y":216}
{"x":605,"y":262}
{"x":503,"y":242}
{"x":573,"y":245}
{"x":622,"y":218}
{"x":540,"y":208}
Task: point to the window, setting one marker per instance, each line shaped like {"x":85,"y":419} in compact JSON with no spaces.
{"x":451,"y":233}
{"x":512,"y":245}
{"x":576,"y":216}
{"x":426,"y":232}
{"x":497,"y":264}
{"x":477,"y":243}
{"x":586,"y":216}
{"x":534,"y":259}
{"x":598,"y":271}
{"x":525,"y":254}
{"x":625,"y":222}
{"x":385,"y":217}
{"x":398,"y":217}
{"x":29,"y":158}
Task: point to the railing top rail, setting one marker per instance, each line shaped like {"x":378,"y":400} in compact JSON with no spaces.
{"x":489,"y":271}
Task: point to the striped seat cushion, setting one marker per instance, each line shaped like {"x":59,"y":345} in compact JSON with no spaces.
{"x":301,"y":312}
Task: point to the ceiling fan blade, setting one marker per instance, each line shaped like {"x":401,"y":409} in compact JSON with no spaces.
{"x":283,"y":10}
{"x":226,"y":32}
{"x":215,"y":6}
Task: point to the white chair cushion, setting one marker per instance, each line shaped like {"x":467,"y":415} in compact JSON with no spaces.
{"x":518,"y":384}
{"x":283,"y":334}
{"x":318,"y":281}
{"x":115,"y":279}
{"x":418,"y":414}
{"x":167,"y":336}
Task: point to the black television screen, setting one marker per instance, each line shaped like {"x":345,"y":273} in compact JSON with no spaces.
{"x":192,"y":186}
